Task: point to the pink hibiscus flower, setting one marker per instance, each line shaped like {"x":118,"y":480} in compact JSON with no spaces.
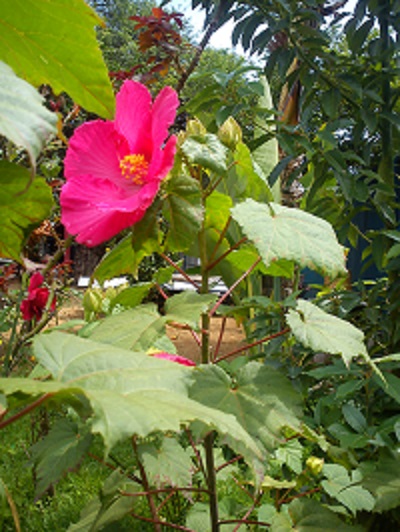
{"x":34,"y":305}
{"x":114,"y":168}
{"x":175,"y":358}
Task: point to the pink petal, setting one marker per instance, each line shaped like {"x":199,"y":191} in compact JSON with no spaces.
{"x":163,"y":116}
{"x":95,"y":149}
{"x":163,"y":160}
{"x":175,"y":358}
{"x":96,"y":210}
{"x":133,"y":117}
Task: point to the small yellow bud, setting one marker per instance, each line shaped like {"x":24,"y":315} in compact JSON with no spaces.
{"x":195,"y":127}
{"x":230,"y":133}
{"x":315,"y":464}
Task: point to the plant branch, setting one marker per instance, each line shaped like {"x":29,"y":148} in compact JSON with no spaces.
{"x":160,"y":523}
{"x":179,"y":269}
{"x":232,"y":288}
{"x":249,"y":346}
{"x":25,"y":410}
{"x":220,"y":337}
{"x":205,"y":40}
{"x":227,"y":252}
{"x":220,"y":238}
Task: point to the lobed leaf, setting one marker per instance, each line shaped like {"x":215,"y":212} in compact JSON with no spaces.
{"x":281,"y":232}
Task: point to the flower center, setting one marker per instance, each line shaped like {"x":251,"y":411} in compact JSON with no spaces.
{"x":134,"y":168}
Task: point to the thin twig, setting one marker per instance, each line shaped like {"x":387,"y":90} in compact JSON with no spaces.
{"x":160,"y":490}
{"x":232,"y":288}
{"x":220,"y":239}
{"x":211,"y":265}
{"x":25,"y":410}
{"x":220,"y":336}
{"x":163,"y":523}
{"x":179,"y":269}
{"x":197,"y":454}
{"x":249,"y":346}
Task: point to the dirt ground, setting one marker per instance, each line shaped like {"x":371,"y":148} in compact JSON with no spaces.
{"x":185,"y":343}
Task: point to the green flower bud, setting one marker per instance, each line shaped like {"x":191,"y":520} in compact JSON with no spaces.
{"x":230,"y":133}
{"x":315,"y":464}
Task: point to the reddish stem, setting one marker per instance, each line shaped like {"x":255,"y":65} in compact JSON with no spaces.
{"x":227,"y":252}
{"x":160,"y":490}
{"x":220,"y":336}
{"x":179,"y":269}
{"x":197,"y":454}
{"x":244,"y":522}
{"x":25,"y":410}
{"x":237,"y":458}
{"x":232,"y":288}
{"x":249,"y":346}
{"x":161,"y":291}
{"x":220,"y":239}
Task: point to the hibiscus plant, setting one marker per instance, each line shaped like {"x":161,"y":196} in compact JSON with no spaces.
{"x":228,"y":419}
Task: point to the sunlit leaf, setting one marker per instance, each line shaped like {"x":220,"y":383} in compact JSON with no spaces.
{"x":55,"y":43}
{"x":187,"y":307}
{"x":281,"y":232}
{"x":23,"y":118}
{"x":23,"y":206}
{"x":262,"y":400}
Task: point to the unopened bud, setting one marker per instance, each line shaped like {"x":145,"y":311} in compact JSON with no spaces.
{"x":230,"y":133}
{"x":195,"y":127}
{"x":315,"y":464}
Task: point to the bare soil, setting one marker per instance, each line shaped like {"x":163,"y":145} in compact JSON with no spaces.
{"x":184,"y":340}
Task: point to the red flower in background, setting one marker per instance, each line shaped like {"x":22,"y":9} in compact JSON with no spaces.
{"x":35,"y":303}
{"x":114,"y":168}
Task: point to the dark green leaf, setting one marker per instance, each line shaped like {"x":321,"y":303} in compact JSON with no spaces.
{"x":183,"y":212}
{"x":23,"y":206}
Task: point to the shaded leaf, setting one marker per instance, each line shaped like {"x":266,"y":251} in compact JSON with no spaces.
{"x":60,"y":451}
{"x":132,"y":296}
{"x":310,"y":516}
{"x":23,"y":206}
{"x":183,"y":211}
{"x":286,"y":233}
{"x":23,"y":118}
{"x":384,"y":483}
{"x":58,"y":48}
{"x":167,"y":464}
{"x":324,"y":332}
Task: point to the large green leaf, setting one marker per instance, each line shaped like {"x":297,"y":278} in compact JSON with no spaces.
{"x":55,"y":43}
{"x":324,"y":332}
{"x":187,"y":307}
{"x":23,"y":205}
{"x":129,"y":392}
{"x":60,"y":450}
{"x":262,"y":400}
{"x":253,"y":180}
{"x":183,"y":212}
{"x":285,"y":233}
{"x":23,"y":118}
{"x":121,"y":259}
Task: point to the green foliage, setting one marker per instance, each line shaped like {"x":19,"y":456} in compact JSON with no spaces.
{"x":282,"y":233}
{"x":60,"y":51}
{"x":24,"y":204}
{"x":23,"y":118}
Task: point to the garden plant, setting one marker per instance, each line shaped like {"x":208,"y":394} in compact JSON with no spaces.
{"x":298,"y":427}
